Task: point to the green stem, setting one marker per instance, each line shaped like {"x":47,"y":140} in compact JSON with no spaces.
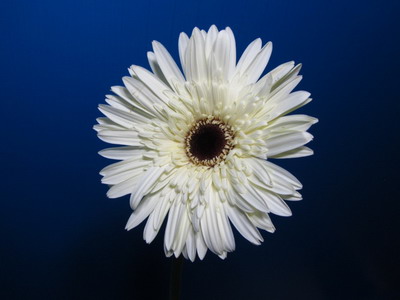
{"x":175,"y":279}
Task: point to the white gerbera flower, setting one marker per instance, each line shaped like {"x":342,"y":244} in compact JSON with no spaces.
{"x":197,"y":145}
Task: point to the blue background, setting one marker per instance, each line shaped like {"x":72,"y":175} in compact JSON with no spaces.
{"x":61,"y":238}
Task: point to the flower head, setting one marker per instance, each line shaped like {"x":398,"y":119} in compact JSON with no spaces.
{"x":197,"y":145}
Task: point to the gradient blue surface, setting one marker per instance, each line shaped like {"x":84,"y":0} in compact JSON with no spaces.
{"x":61,"y":238}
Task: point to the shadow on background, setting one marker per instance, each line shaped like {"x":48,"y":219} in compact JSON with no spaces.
{"x":107,"y":264}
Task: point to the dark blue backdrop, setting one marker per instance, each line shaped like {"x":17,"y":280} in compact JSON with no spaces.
{"x":61,"y":238}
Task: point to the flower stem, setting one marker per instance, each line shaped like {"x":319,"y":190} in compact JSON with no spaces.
{"x":175,"y":279}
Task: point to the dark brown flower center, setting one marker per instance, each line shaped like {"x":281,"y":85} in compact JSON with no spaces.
{"x":208,"y":142}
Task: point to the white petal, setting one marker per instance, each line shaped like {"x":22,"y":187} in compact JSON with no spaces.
{"x":106,"y":124}
{"x":216,"y":230}
{"x":124,"y":94}
{"x":279,"y":187}
{"x":118,"y":102}
{"x":172,"y":224}
{"x":281,"y":70}
{"x":250,"y":201}
{"x":120,"y":153}
{"x":283,"y":93}
{"x":223,"y":255}
{"x":160,"y":212}
{"x":223,"y":54}
{"x":203,"y":33}
{"x":167,"y":64}
{"x":142,"y":212}
{"x":121,"y":176}
{"x":210,"y":39}
{"x":248,"y":56}
{"x":278,"y":184}
{"x":260,"y":171}
{"x":191,"y":245}
{"x":144,"y":184}
{"x":284,"y":79}
{"x":226,"y":230}
{"x":275,"y":203}
{"x":126,"y":119}
{"x":247,"y":202}
{"x":287,"y":142}
{"x":143,"y":95}
{"x":294,"y":197}
{"x":182,"y":231}
{"x":195,"y":59}
{"x":298,"y":152}
{"x":120,"y":137}
{"x":243,"y":225}
{"x":149,"y":233}
{"x":200,"y":245}
{"x":183,"y":43}
{"x":257,"y":66}
{"x":283,"y":174}
{"x":263,"y":221}
{"x":155,"y":67}
{"x":232,"y":49}
{"x":292,"y":122}
{"x":121,"y":166}
{"x":123,"y":188}
{"x":262,"y":87}
{"x":153,"y":83}
{"x":131,"y":102}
